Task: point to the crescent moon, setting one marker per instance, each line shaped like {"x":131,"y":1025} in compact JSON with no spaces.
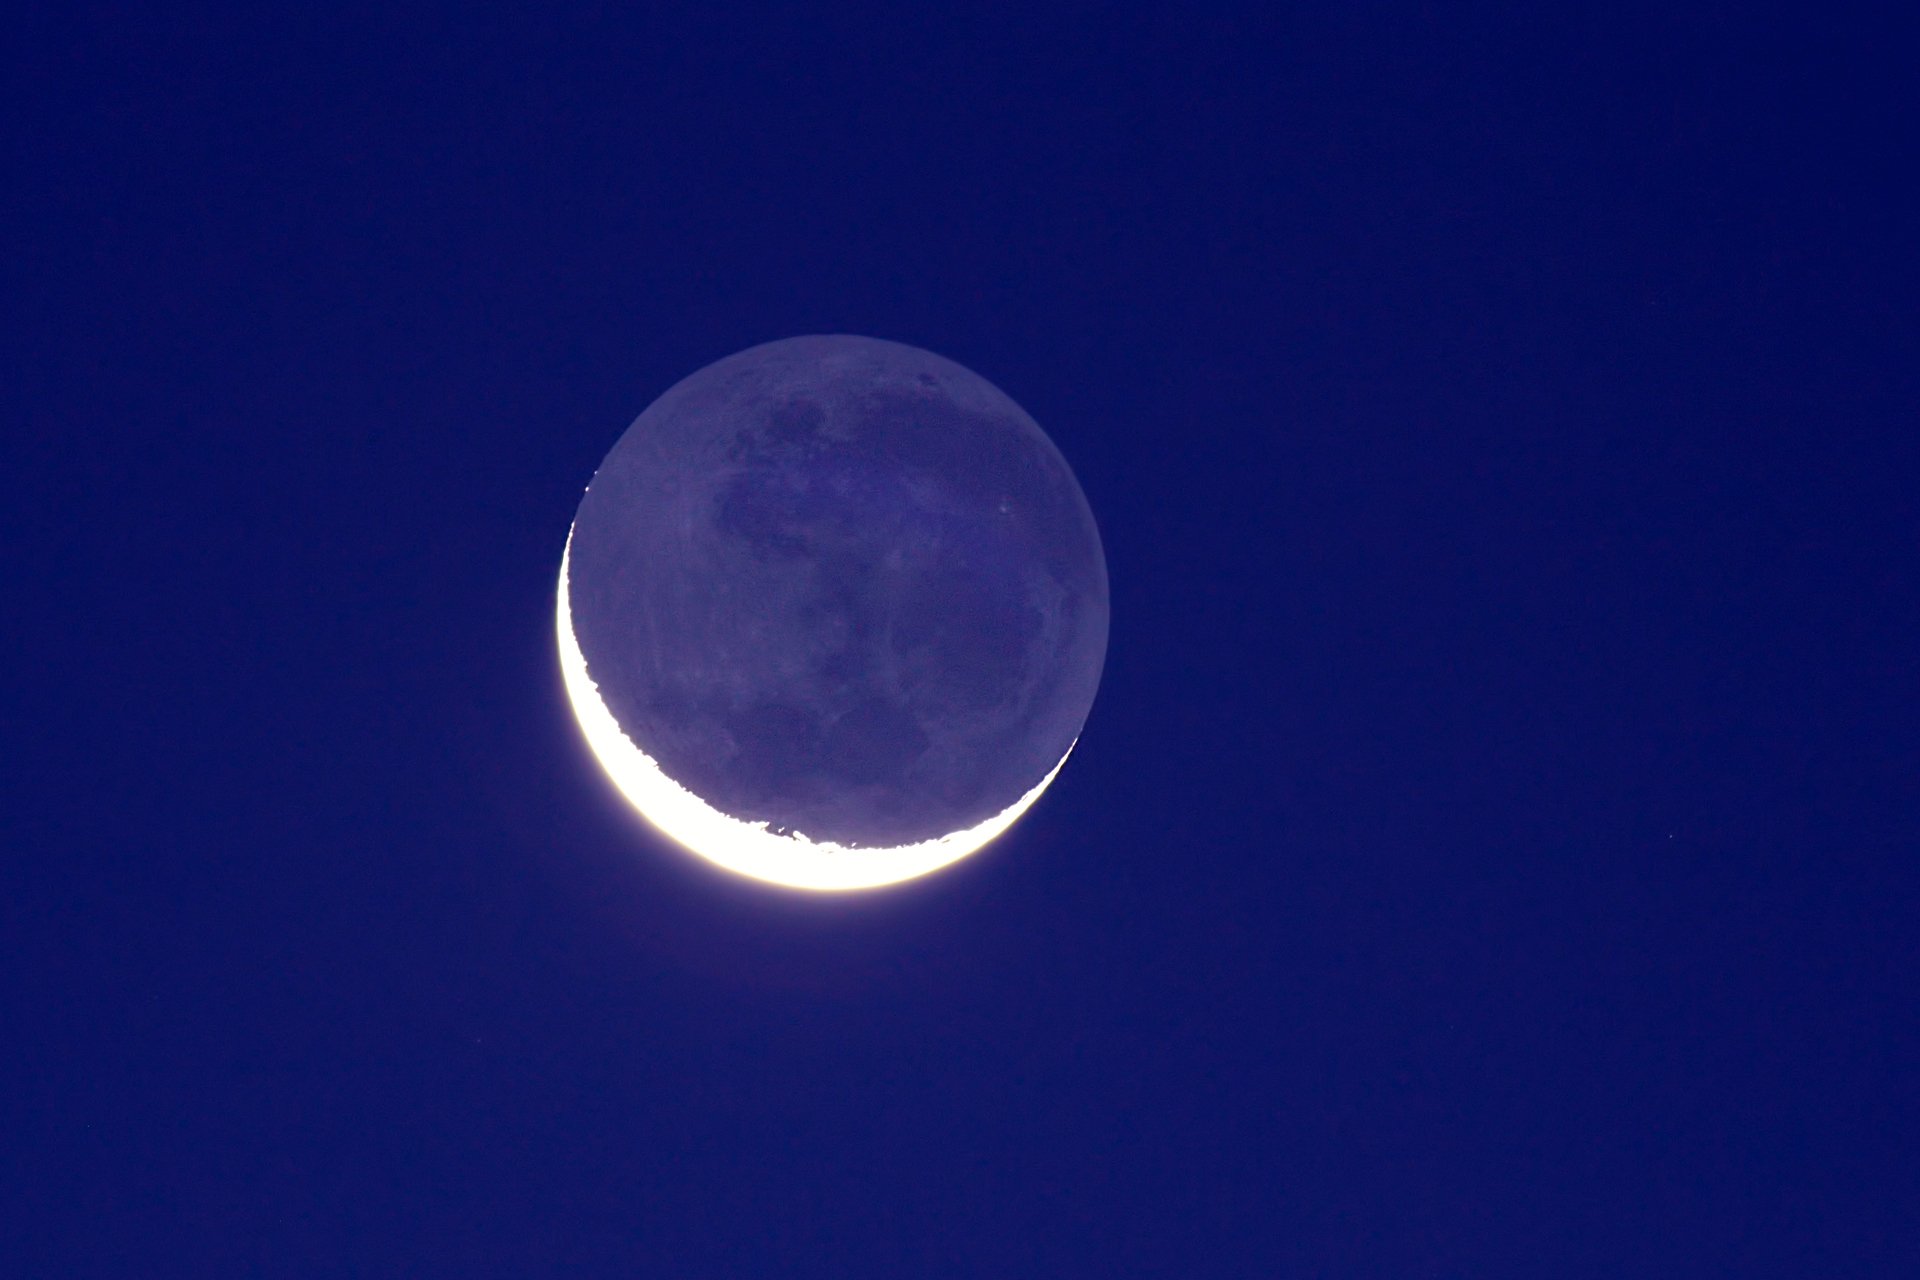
{"x":789,"y":859}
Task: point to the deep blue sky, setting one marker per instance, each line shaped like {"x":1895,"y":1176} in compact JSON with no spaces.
{"x":1493,"y":850}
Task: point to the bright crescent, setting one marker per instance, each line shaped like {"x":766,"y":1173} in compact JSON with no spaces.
{"x":747,"y":848}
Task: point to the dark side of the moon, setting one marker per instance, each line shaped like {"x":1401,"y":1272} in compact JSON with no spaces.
{"x":844,"y":587}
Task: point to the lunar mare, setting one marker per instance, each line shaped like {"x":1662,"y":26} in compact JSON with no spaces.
{"x":832,"y":612}
{"x":749,"y":848}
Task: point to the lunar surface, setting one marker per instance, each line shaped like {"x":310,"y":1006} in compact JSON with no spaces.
{"x":832,"y":612}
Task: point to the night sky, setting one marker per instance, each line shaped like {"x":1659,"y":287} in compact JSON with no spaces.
{"x":1495,"y":846}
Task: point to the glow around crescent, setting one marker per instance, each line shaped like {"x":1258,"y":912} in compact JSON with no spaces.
{"x":748,"y":848}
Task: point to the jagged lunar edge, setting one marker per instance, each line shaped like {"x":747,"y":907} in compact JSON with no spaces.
{"x":748,"y":848}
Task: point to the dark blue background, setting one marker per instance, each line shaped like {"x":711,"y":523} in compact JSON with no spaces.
{"x":1492,"y":852}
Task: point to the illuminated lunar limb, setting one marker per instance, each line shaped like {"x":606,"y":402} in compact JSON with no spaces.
{"x":748,"y":848}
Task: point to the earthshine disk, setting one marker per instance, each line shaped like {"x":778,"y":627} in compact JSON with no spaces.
{"x":832,"y":612}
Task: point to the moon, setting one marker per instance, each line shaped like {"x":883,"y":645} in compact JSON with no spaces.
{"x":832,"y":613}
